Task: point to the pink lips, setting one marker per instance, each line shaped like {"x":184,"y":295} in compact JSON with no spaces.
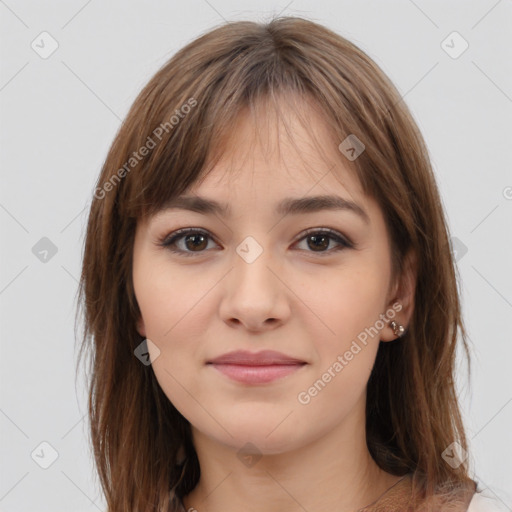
{"x":256,"y":368}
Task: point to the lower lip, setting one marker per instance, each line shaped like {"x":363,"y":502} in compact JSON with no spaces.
{"x":256,"y":374}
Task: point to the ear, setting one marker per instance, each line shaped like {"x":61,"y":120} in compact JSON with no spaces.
{"x":141,"y":328}
{"x":401,"y":305}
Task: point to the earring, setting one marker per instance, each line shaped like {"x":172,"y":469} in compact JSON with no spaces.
{"x":397,"y":329}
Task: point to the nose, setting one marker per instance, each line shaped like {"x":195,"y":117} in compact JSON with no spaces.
{"x":254,"y":295}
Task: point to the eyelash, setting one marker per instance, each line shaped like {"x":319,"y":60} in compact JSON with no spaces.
{"x":169,"y":240}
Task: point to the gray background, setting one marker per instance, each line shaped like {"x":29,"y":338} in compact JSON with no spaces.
{"x":59,"y":115}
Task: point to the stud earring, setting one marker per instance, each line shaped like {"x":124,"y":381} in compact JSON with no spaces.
{"x":397,"y":329}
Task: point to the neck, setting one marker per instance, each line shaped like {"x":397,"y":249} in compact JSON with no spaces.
{"x":334,"y":472}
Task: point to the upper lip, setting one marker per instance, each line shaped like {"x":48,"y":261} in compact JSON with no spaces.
{"x":263,"y":358}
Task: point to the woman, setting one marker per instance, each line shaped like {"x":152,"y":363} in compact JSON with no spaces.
{"x":270,"y":298}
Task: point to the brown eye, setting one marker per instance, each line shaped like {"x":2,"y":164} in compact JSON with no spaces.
{"x":319,"y":240}
{"x":187,"y":241}
{"x":195,"y":241}
{"x":190,"y":242}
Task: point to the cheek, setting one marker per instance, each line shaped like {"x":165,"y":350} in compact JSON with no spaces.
{"x":346,"y":339}
{"x":352,"y":304}
{"x":346,"y":351}
{"x":168,"y":299}
{"x":172,"y":304}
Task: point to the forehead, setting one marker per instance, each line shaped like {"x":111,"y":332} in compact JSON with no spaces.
{"x":278,"y":149}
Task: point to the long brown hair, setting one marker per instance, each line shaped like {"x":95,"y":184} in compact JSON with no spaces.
{"x":179,"y":118}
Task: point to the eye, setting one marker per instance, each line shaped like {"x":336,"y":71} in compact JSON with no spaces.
{"x":194,"y":240}
{"x":188,"y":241}
{"x":320,"y":239}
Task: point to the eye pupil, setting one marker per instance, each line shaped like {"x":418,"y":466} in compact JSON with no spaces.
{"x":323,"y":238}
{"x":195,"y":236}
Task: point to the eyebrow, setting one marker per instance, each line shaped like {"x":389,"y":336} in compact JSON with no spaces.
{"x":287,"y":206}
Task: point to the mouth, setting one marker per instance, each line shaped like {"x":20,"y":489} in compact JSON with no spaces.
{"x":257,"y":373}
{"x":256,"y":367}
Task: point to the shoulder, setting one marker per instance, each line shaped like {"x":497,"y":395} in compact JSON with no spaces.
{"x":466,"y":497}
{"x":486,"y":501}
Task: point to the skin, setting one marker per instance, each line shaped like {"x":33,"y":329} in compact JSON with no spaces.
{"x":305,"y":303}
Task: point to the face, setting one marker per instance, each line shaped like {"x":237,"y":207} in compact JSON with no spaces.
{"x":313,"y":284}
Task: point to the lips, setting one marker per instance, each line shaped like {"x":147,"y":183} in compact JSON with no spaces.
{"x":263,"y":358}
{"x":256,"y":368}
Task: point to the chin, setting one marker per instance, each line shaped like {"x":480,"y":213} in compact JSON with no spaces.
{"x":262,"y":434}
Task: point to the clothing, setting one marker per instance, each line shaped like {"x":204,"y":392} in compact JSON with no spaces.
{"x":483,"y":500}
